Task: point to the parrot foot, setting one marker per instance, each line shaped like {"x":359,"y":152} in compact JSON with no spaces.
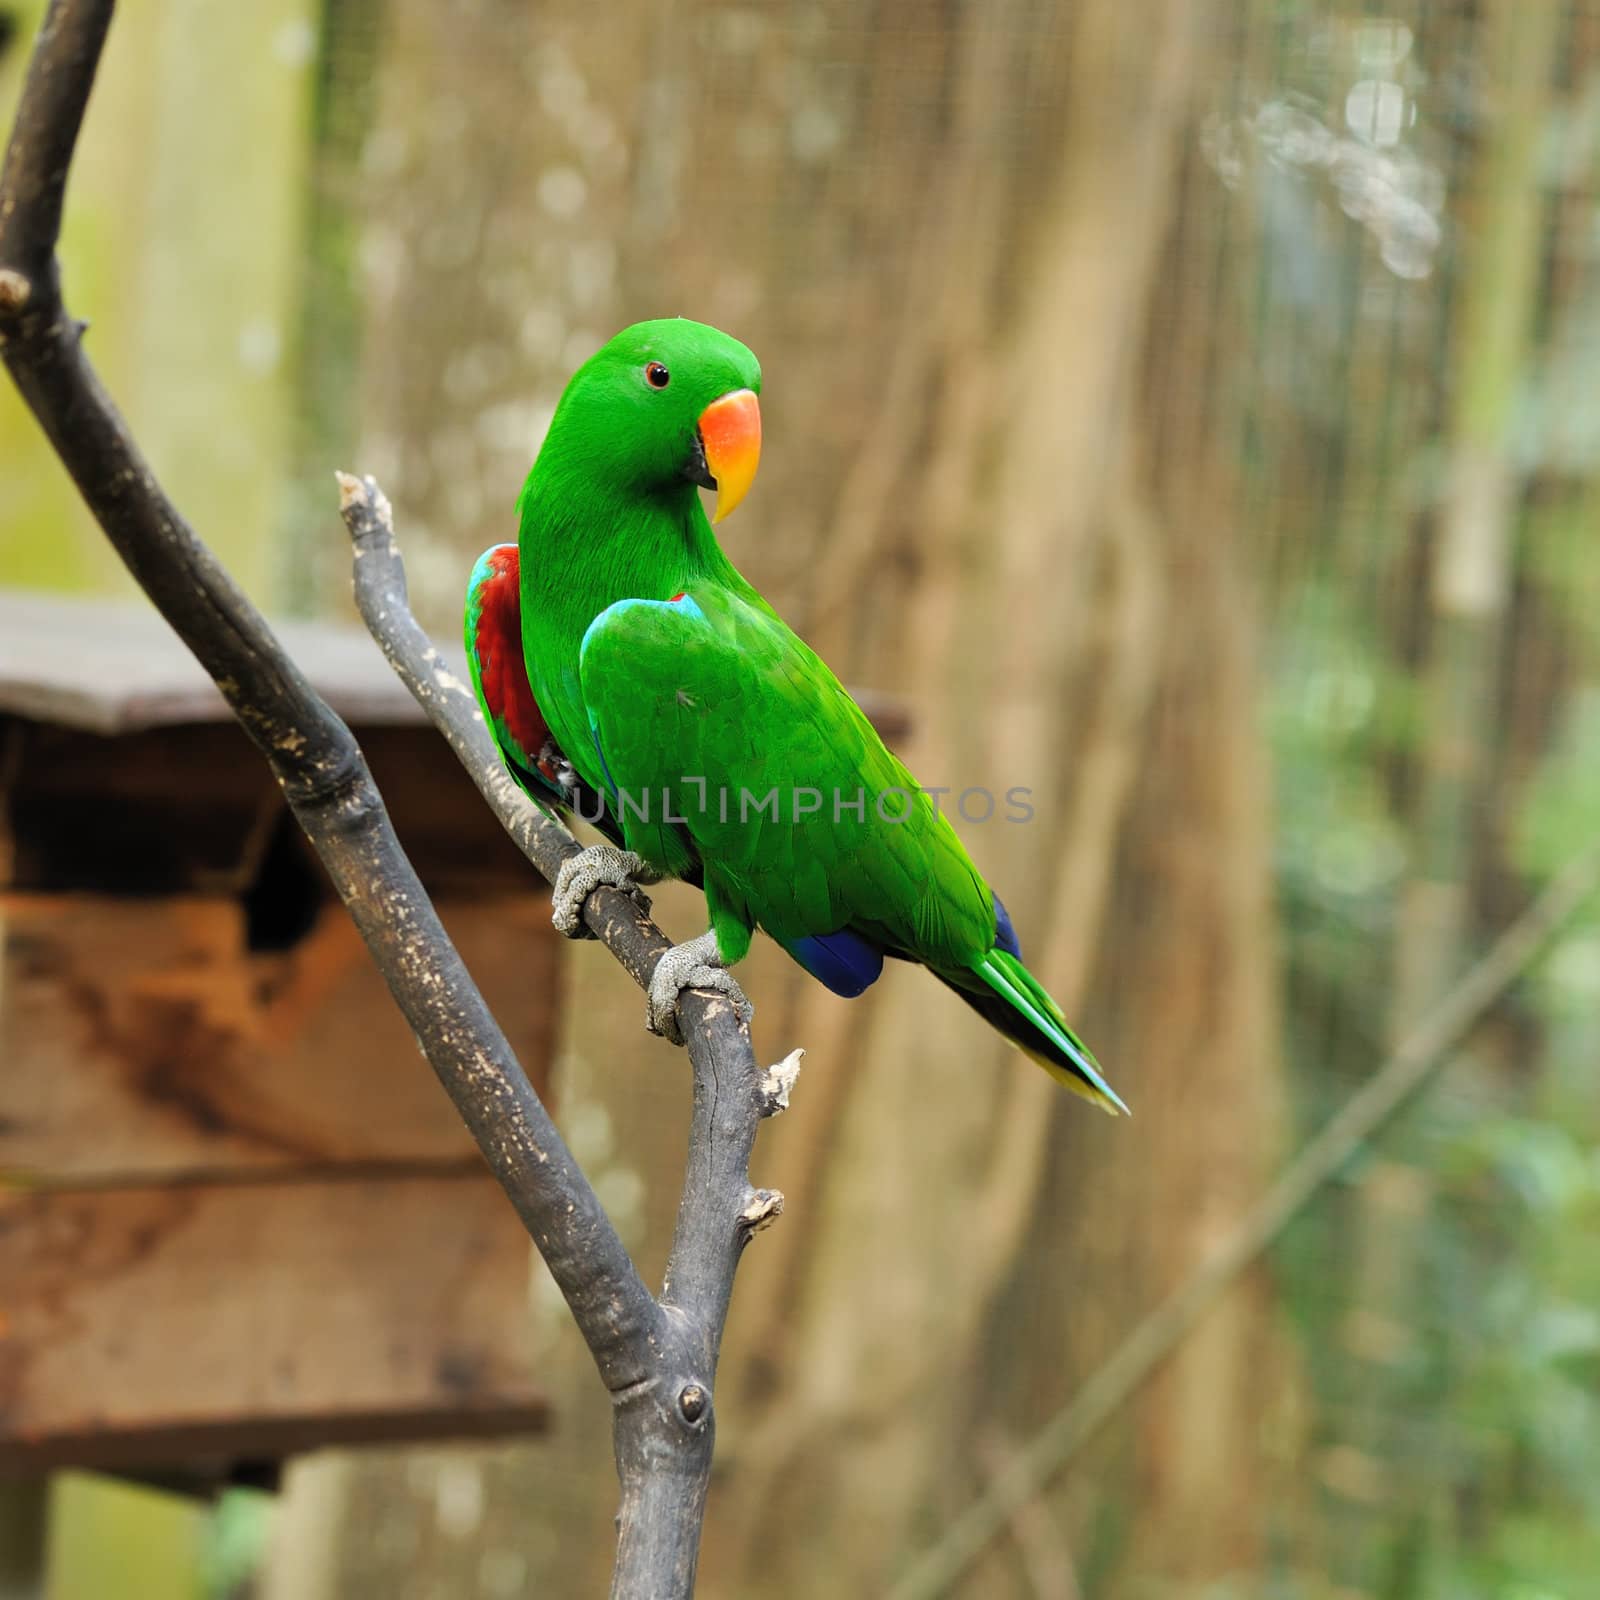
{"x":582,"y":874}
{"x":695,"y":965}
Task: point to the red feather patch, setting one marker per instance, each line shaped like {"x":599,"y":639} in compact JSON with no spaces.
{"x":498,"y":640}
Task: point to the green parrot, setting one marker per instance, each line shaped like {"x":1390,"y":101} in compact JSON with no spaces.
{"x":630,"y":673}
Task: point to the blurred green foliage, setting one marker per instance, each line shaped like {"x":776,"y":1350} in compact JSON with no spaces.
{"x":111,"y":1538}
{"x":1454,"y":1373}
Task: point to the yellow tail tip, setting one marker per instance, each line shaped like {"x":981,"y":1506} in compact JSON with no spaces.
{"x":1108,"y":1100}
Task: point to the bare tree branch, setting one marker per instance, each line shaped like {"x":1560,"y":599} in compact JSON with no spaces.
{"x":658,"y":1359}
{"x":379,"y":585}
{"x":718,"y":1210}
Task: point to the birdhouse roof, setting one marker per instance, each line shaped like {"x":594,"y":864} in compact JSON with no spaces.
{"x":114,"y":667}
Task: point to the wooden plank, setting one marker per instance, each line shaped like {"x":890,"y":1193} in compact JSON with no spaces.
{"x":107,"y":667}
{"x":158,"y":1324}
{"x":142,"y":1040}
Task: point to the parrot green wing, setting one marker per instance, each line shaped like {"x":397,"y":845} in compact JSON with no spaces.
{"x":721,"y":733}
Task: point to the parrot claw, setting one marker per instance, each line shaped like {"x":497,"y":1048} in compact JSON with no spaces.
{"x":582,"y":874}
{"x":695,"y":965}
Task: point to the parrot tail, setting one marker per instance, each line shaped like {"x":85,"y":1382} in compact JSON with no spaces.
{"x":1014,"y":1003}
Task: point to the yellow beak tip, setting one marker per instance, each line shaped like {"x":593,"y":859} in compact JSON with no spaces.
{"x":730,"y":433}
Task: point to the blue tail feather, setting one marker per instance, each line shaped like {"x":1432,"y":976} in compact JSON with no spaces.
{"x":844,"y":961}
{"x":1005,"y":935}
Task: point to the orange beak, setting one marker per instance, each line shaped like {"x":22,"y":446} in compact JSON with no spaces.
{"x":730,"y":435}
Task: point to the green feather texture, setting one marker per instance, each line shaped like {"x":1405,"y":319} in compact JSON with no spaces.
{"x":1067,"y":1059}
{"x":722,"y":741}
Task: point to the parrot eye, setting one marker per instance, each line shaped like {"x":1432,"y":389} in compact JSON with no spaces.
{"x":657,"y":375}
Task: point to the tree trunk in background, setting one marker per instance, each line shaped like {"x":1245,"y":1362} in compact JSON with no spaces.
{"x":990,"y":485}
{"x":1071,"y":623}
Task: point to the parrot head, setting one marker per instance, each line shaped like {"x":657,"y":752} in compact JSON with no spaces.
{"x":663,"y":403}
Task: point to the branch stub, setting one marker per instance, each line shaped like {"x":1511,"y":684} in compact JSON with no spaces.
{"x":693,"y":1402}
{"x":15,"y":292}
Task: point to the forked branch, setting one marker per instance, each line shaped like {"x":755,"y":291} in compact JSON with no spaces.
{"x":657,"y":1357}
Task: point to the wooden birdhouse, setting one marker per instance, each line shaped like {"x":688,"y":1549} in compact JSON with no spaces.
{"x":238,"y":1216}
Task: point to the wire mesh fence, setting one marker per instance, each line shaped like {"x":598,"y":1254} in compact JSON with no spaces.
{"x":1192,"y":413}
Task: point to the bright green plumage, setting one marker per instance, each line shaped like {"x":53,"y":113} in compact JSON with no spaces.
{"x":725,"y":745}
{"x":739,"y":701}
